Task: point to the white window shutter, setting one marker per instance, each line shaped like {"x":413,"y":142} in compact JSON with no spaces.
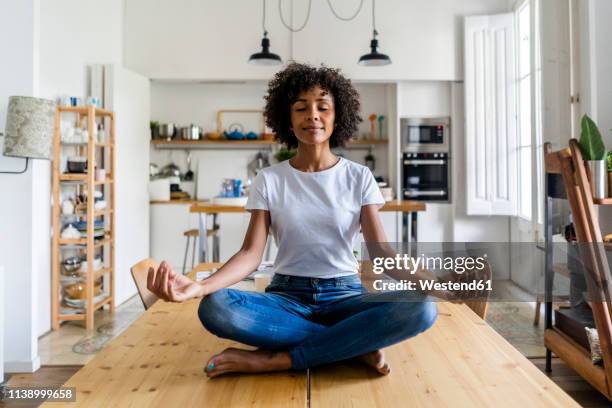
{"x":490,"y":110}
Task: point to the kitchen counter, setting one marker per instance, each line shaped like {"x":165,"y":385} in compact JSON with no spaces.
{"x":205,"y":206}
{"x":190,"y":201}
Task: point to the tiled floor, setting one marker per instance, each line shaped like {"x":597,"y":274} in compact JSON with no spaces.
{"x":71,"y":344}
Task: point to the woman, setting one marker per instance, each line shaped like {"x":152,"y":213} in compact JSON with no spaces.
{"x":315,"y":311}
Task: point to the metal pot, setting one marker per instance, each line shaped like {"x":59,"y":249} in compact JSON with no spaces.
{"x":598,"y":177}
{"x":170,"y":170}
{"x":191,"y":132}
{"x":166,"y":131}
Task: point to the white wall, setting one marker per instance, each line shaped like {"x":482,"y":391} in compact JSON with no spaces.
{"x":1,"y":324}
{"x":555,"y":33}
{"x":19,"y":243}
{"x":213,"y":40}
{"x":73,"y":34}
{"x":131,"y":103}
{"x":203,"y":39}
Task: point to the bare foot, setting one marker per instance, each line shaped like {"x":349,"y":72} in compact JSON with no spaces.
{"x":376,"y":360}
{"x":233,"y":360}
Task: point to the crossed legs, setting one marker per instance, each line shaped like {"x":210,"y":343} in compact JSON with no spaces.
{"x":283,"y":330}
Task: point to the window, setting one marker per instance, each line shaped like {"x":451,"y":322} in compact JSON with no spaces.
{"x":502,"y":113}
{"x":524,"y":109}
{"x":529,"y":73}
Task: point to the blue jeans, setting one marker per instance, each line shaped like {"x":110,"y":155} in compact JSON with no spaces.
{"x":318,"y":321}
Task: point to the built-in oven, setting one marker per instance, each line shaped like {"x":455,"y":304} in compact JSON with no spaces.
{"x":426,"y":176}
{"x":425,"y":134}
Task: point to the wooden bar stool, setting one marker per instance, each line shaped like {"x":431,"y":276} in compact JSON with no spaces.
{"x":195,"y":233}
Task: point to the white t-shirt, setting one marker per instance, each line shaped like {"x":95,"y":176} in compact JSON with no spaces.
{"x":315,"y":216}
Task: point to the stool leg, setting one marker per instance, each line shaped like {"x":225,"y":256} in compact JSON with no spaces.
{"x":185,"y":257}
{"x":215,"y":256}
{"x":195,"y":239}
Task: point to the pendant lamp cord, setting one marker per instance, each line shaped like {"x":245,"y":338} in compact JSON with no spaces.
{"x":263,"y":19}
{"x":339,"y":17}
{"x":374,"y":18}
{"x":287,"y":26}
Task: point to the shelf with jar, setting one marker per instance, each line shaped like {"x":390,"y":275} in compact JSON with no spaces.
{"x":83,"y":258}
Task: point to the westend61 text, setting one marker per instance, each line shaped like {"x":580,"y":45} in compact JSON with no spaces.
{"x":432,"y":285}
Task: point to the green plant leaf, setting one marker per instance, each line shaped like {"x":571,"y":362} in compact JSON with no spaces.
{"x":609,"y":161}
{"x":591,"y":144}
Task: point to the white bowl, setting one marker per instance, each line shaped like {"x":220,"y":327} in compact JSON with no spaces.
{"x":97,"y":265}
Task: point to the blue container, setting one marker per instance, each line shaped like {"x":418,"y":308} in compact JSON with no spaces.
{"x":237,"y":183}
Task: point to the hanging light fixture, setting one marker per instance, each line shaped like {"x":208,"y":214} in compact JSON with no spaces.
{"x":265,"y":57}
{"x":374,"y":58}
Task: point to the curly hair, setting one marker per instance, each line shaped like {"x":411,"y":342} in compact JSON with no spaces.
{"x":285,"y":88}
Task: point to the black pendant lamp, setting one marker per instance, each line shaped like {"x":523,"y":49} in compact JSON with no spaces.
{"x":265,"y":57}
{"x":374,"y":58}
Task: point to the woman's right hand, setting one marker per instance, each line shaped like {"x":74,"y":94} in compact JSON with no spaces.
{"x":170,"y":286}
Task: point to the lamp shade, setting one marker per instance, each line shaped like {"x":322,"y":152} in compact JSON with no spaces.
{"x":265,"y":57}
{"x":374,"y":58}
{"x":29,"y":127}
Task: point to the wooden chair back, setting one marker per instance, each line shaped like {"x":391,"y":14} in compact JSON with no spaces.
{"x":577,"y":178}
{"x":139,"y":274}
{"x":480,"y":307}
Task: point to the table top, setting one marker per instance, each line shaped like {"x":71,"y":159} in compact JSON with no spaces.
{"x":394,"y":205}
{"x":460,"y":361}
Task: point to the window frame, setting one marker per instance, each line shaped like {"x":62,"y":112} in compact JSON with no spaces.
{"x":536,"y":218}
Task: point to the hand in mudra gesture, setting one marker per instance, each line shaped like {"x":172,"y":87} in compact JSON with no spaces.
{"x":170,"y":286}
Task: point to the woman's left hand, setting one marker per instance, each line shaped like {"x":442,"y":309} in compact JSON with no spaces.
{"x":171,"y":286}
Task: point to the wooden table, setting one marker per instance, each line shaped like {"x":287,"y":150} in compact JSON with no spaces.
{"x":410,"y":209}
{"x":460,"y":362}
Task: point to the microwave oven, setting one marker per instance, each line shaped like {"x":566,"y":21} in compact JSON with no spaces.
{"x":425,"y":134}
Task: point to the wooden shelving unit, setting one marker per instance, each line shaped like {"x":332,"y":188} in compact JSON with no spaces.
{"x":102,"y":155}
{"x":569,"y":164}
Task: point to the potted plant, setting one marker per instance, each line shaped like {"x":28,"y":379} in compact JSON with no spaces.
{"x":609,"y":162}
{"x":594,"y":152}
{"x":154,"y":129}
{"x":284,"y":154}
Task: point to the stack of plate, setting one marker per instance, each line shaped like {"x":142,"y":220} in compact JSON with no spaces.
{"x":98,"y":228}
{"x":80,"y":303}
